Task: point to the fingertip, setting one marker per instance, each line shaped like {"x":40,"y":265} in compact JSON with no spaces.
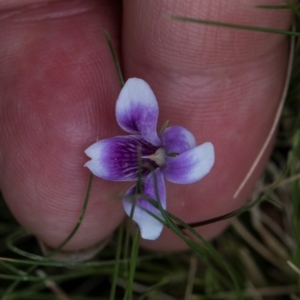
{"x":222,"y":84}
{"x":58,"y":88}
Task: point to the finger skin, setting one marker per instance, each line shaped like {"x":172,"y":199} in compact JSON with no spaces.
{"x":21,"y":4}
{"x":58,"y":91}
{"x":222,"y":84}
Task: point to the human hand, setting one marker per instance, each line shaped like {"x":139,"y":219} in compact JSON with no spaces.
{"x":58,"y":92}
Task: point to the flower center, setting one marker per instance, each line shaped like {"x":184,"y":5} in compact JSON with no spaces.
{"x":159,"y":157}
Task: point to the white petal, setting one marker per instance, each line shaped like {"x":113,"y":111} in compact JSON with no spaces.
{"x":190,"y":166}
{"x":137,"y":110}
{"x":150,"y":227}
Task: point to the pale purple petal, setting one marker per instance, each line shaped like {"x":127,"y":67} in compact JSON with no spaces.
{"x":191,"y":165}
{"x":150,"y":227}
{"x":137,"y":110}
{"x":117,"y":158}
{"x":177,"y":139}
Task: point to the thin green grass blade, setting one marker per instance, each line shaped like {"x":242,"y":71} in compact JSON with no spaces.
{"x":153,"y":288}
{"x":82,"y":213}
{"x":117,"y":262}
{"x":11,"y":268}
{"x":164,"y":127}
{"x":133,"y":261}
{"x":235,"y":26}
{"x":115,"y":58}
{"x":287,"y":6}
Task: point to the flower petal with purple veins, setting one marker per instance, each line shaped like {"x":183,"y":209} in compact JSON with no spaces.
{"x":177,"y":139}
{"x":137,"y":110}
{"x":191,"y":165}
{"x":150,"y":228}
{"x":117,"y":158}
{"x":143,"y":155}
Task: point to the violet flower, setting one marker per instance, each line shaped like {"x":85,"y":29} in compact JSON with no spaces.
{"x":172,"y":155}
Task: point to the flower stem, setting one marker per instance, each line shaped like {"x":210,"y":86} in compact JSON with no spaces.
{"x":115,"y":58}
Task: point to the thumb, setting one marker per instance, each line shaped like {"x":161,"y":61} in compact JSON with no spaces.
{"x":58,"y":89}
{"x":222,"y":84}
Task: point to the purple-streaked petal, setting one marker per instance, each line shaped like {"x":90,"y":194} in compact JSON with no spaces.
{"x":137,"y":110}
{"x":150,"y":227}
{"x":191,"y":165}
{"x":117,"y":158}
{"x":177,"y":139}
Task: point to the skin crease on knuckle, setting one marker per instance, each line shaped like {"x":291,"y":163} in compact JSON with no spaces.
{"x":182,"y":63}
